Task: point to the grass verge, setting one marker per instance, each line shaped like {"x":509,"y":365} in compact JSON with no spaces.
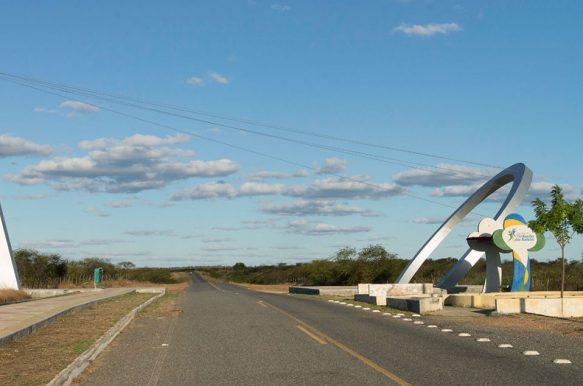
{"x":8,"y":296}
{"x":36,"y":358}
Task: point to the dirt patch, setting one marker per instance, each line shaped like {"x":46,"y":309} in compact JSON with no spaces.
{"x":36,"y":358}
{"x":9,"y":296}
{"x":521,"y":322}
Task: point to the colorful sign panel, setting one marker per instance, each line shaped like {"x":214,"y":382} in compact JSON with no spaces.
{"x":518,"y":238}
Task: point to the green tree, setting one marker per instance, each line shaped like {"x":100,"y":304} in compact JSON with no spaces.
{"x":563,"y":219}
{"x":126,"y":265}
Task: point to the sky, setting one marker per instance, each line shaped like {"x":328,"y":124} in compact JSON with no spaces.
{"x":449,"y":92}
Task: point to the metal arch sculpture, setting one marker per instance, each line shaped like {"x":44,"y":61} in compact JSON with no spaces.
{"x":519,"y":175}
{"x":8,"y":273}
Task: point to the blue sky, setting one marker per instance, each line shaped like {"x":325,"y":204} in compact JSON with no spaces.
{"x":494,"y":82}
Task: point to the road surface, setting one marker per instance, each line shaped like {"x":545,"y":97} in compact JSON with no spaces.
{"x":227,"y":335}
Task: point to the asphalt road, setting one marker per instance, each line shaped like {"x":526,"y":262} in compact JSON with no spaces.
{"x":227,"y":335}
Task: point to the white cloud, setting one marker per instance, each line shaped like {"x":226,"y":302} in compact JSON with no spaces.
{"x":45,"y":110}
{"x":195,"y":81}
{"x":15,"y":146}
{"x":313,"y":229}
{"x":455,"y":190}
{"x":135,"y":140}
{"x":218,"y":78}
{"x":427,"y":29}
{"x":131,"y":164}
{"x":353,"y":187}
{"x":266,"y":174}
{"x":332,"y":166}
{"x":281,"y":7}
{"x":206,"y":191}
{"x":443,"y":174}
{"x":79,"y":106}
{"x":313,"y":208}
{"x":358,"y":187}
{"x":464,"y":183}
{"x":261,"y":189}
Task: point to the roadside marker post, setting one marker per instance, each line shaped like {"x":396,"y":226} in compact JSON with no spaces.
{"x":97,"y":276}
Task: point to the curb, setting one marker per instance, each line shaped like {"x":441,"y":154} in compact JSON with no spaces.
{"x":33,"y":327}
{"x":67,"y":375}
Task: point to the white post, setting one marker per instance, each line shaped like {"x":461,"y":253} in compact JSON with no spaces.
{"x":8,"y":274}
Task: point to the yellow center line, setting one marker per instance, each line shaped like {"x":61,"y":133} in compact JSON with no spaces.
{"x":395,"y":378}
{"x":310,"y":334}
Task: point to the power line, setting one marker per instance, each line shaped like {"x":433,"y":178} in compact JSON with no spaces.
{"x":79,"y":91}
{"x":241,"y":148}
{"x":109,"y":96}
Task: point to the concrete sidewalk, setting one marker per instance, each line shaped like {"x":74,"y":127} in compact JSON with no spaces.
{"x":22,"y":318}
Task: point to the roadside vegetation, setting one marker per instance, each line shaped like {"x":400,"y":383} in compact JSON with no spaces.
{"x":374,"y":264}
{"x":8,"y":296}
{"x":36,"y":358}
{"x":39,"y":270}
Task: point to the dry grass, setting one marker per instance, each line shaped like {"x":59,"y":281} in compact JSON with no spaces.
{"x":36,"y":358}
{"x":181,"y":278}
{"x":525,"y":322}
{"x":8,"y":296}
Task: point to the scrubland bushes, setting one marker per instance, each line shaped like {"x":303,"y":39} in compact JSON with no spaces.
{"x":38,"y":270}
{"x":374,"y":264}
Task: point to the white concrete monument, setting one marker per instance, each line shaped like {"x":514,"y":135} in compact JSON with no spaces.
{"x":520,"y":176}
{"x":482,"y":241}
{"x":8,"y":273}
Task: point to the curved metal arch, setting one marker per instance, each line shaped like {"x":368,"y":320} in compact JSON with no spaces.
{"x":8,"y":272}
{"x":519,"y":175}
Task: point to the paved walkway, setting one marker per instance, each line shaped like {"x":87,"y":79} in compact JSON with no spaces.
{"x":22,"y":318}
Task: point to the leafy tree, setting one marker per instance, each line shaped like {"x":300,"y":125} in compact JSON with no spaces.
{"x":239,"y":266}
{"x":563,"y":219}
{"x":126,"y":265}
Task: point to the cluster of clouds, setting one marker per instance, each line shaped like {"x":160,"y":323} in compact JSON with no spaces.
{"x":144,"y":162}
{"x":128,"y":165}
{"x":318,"y":228}
{"x":450,"y":180}
{"x":357,"y":187}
